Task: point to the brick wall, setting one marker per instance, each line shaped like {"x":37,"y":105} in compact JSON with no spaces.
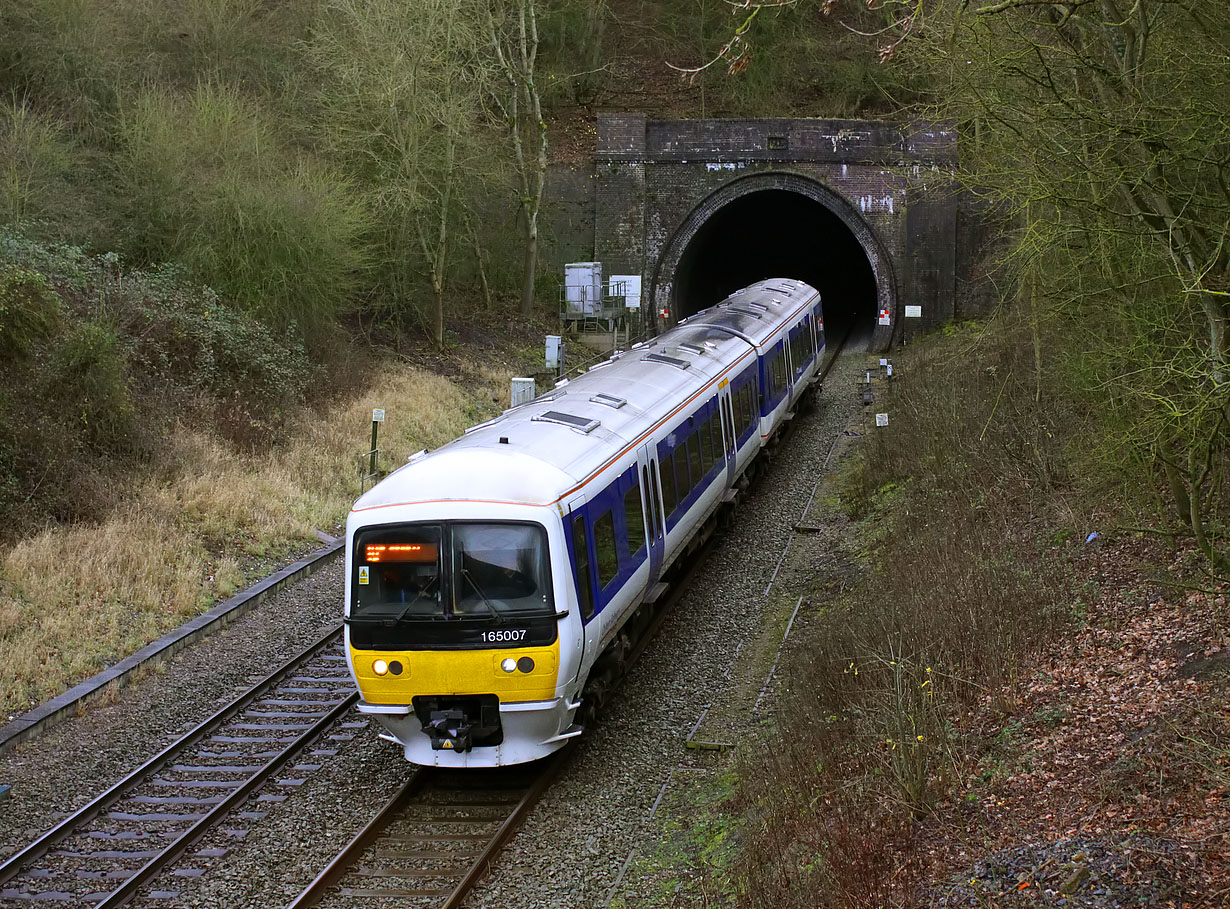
{"x":658,"y":180}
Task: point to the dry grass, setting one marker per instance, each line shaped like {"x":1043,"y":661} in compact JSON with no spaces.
{"x":73,"y":600}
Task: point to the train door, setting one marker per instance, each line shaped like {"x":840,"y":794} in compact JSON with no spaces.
{"x":580,"y":537}
{"x":655,"y":520}
{"x":789,"y":371}
{"x":730,"y":431}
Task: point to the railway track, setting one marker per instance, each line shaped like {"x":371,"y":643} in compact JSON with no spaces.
{"x":113,"y":848}
{"x":429,"y":844}
{"x":433,"y":840}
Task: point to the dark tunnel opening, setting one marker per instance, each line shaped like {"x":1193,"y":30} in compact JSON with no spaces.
{"x":775,"y":233}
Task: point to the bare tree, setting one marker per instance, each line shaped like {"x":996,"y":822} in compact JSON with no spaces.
{"x":512,"y":29}
{"x":403,"y":96}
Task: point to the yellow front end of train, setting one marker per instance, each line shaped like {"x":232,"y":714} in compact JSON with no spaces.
{"x":453,"y":638}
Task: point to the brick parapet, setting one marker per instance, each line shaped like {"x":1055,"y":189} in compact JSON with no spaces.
{"x":658,"y":180}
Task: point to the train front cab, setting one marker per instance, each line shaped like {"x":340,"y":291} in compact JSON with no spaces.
{"x":456,"y":685}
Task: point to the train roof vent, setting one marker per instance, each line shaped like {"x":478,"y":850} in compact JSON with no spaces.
{"x":761,"y":306}
{"x":669,"y":361}
{"x":746,"y":312}
{"x":690,"y":348}
{"x":583,"y":424}
{"x":609,"y":400}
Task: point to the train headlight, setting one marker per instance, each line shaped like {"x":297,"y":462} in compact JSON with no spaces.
{"x":509,"y":664}
{"x":380,"y":667}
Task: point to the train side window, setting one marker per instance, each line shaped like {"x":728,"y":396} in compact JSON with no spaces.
{"x":715,"y":433}
{"x":634,"y":519}
{"x":694,"y":459}
{"x":580,"y":553}
{"x":683,"y":483}
{"x":604,"y":549}
{"x":706,"y":446}
{"x":670,"y":496}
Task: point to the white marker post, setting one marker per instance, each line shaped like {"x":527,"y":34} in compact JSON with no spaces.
{"x":377,"y":419}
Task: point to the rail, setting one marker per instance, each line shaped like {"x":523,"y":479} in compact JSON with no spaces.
{"x":441,"y":816}
{"x":226,"y":758}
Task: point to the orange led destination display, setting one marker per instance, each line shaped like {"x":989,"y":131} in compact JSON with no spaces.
{"x":401,"y":552}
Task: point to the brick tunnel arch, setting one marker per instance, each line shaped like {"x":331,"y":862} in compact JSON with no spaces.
{"x":780,"y":225}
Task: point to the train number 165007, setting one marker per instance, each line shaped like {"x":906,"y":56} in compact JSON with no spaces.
{"x":499,"y":637}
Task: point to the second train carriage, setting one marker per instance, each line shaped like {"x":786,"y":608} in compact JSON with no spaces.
{"x":494,"y":585}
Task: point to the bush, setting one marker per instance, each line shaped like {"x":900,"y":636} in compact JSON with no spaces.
{"x":96,"y":397}
{"x":29,"y":310}
{"x":37,"y":160}
{"x":209,"y":183}
{"x":185,"y":338}
{"x":138,"y":347}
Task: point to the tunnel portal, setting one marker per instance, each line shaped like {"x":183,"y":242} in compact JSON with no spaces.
{"x":777,"y":233}
{"x":698,"y":208}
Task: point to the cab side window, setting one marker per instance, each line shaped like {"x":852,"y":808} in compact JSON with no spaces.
{"x":580,"y":553}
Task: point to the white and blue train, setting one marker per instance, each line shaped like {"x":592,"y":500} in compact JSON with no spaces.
{"x":494,"y":587}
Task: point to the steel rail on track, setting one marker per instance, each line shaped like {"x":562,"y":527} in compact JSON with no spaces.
{"x":12,"y":866}
{"x":340,"y":864}
{"x":554,"y":764}
{"x":841,"y":345}
{"x":345,"y":861}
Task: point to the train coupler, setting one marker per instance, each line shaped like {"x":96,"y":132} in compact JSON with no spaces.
{"x":460,"y":722}
{"x":449,"y":730}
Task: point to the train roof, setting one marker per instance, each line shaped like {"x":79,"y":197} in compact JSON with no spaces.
{"x":756,"y":312}
{"x":539,"y":452}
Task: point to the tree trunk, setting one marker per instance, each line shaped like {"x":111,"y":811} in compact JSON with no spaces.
{"x":1218,"y":314}
{"x":1178,"y":489}
{"x":437,"y":291}
{"x":530,"y":266}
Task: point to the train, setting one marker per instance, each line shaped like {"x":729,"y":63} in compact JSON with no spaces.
{"x":495,"y":586}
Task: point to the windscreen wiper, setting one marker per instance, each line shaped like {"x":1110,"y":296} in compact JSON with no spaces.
{"x":397,"y":619}
{"x":495,"y":613}
{"x":363,"y":619}
{"x":386,"y":621}
{"x":534,"y":614}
